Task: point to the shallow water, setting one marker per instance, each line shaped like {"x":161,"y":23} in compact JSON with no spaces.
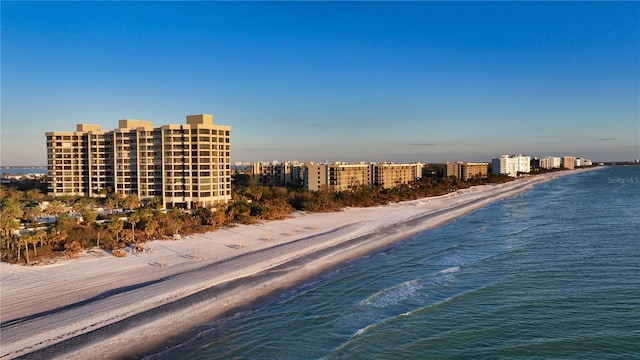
{"x":553,"y":272}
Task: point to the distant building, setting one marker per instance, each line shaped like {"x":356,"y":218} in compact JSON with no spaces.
{"x":543,"y":163}
{"x":569,"y":162}
{"x":511,"y":165}
{"x":583,"y":162}
{"x":315,"y":176}
{"x":346,"y":176}
{"x":184,"y":165}
{"x":550,"y":162}
{"x":277,"y":173}
{"x":578,"y":162}
{"x":389,"y":175}
{"x":534,"y":162}
{"x":466,"y":170}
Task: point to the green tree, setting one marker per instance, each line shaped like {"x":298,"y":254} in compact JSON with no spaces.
{"x":59,"y":232}
{"x":26,"y":239}
{"x":18,"y":241}
{"x":10,"y":214}
{"x":151,"y":227}
{"x":154,"y":203}
{"x":8,"y":224}
{"x":115,"y":226}
{"x":218,"y":217}
{"x":34,"y":196}
{"x":33,"y":213}
{"x":111,"y":204}
{"x":56,"y":208}
{"x":131,"y":202}
{"x":134,"y":218}
{"x":39,"y":236}
{"x":173,"y":221}
{"x":88,"y":215}
{"x":100,"y":228}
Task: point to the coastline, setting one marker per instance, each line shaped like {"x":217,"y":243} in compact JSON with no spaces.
{"x":82,"y":307}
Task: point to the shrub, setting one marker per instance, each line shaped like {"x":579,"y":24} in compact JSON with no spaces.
{"x":118,"y":253}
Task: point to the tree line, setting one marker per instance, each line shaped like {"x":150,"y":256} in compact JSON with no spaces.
{"x":126,"y":221}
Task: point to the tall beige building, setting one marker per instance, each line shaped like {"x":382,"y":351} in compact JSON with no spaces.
{"x":569,"y":162}
{"x":186,"y":166}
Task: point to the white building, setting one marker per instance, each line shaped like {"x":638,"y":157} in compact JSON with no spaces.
{"x":583,"y":162}
{"x":550,"y":162}
{"x":511,"y":165}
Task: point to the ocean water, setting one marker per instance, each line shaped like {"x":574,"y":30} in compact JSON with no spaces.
{"x":23,"y":170}
{"x":551,"y":273}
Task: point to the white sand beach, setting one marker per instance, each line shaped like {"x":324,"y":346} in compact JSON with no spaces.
{"x":102,"y":307}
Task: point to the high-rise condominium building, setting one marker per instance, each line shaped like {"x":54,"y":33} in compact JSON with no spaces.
{"x":569,"y":162}
{"x":185,"y":166}
{"x":511,"y":165}
{"x":550,"y":162}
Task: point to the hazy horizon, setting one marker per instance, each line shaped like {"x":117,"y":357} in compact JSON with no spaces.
{"x":334,"y":81}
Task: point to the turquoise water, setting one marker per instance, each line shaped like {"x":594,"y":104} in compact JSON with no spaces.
{"x":553,"y":272}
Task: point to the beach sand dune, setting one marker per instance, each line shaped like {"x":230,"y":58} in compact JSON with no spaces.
{"x":101,"y":307}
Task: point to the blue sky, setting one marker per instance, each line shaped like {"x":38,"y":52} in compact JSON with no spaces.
{"x":316,"y":81}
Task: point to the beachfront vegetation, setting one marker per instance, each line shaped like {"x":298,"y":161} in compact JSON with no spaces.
{"x":114,"y":223}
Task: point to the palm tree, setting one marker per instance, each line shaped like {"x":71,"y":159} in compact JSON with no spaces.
{"x":154,"y":203}
{"x":33,"y":213}
{"x":151,"y":227}
{"x":174,"y":221}
{"x":55,"y":208}
{"x":34,"y":196}
{"x":26,"y":239}
{"x":218,"y":217}
{"x":61,"y":229}
{"x":9,"y":214}
{"x":82,"y":204}
{"x":133,"y":219}
{"x":38,"y":237}
{"x":115,"y":226}
{"x":111,"y":204}
{"x":8,"y":224}
{"x":99,"y":228}
{"x":131,"y":202}
{"x":10,"y":194}
{"x":88,"y":215}
{"x":16,"y":241}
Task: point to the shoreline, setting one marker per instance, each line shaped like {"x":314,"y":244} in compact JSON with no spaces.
{"x":206,"y":277}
